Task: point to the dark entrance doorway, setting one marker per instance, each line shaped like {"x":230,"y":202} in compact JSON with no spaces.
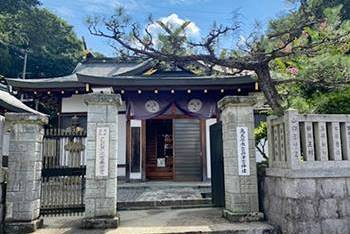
{"x":159,"y":149}
{"x":217,"y":165}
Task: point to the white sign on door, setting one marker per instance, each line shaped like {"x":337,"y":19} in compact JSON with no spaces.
{"x":102,"y":151}
{"x":243,"y":151}
{"x":160,"y":162}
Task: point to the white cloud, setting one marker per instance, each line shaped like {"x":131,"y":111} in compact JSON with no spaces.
{"x":173,"y":22}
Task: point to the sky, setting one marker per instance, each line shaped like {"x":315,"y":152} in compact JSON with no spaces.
{"x":202,"y":14}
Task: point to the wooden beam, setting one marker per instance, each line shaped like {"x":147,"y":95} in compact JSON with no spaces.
{"x":203,"y":149}
{"x":143,"y":150}
{"x":128,"y":150}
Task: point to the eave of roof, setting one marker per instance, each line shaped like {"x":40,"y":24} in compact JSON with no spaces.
{"x":79,"y":81}
{"x":11,"y":103}
{"x":70,"y":81}
{"x":141,"y":81}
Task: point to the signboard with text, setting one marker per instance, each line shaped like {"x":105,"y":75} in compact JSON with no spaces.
{"x":243,"y":151}
{"x":102,"y":151}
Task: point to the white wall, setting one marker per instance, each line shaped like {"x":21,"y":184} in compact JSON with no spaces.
{"x":72,"y":104}
{"x":76,"y":104}
{"x":208,"y":123}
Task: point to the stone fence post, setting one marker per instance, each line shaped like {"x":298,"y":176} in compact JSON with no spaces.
{"x":101,"y":161}
{"x":307,"y":184}
{"x":241,"y":191}
{"x":24,"y":172}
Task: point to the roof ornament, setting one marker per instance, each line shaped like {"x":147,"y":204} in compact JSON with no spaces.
{"x":87,"y":54}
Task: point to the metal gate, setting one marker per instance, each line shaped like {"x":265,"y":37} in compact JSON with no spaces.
{"x":217,"y":165}
{"x":63,"y":173}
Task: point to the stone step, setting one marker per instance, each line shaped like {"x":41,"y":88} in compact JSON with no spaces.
{"x":170,"y":204}
{"x":236,"y":228}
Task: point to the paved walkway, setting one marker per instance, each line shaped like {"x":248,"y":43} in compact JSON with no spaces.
{"x":203,"y":220}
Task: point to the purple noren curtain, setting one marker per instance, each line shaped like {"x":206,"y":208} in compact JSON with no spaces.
{"x":150,"y":105}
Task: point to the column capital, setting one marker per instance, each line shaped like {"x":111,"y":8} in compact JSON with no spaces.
{"x":103,"y":98}
{"x":233,"y":101}
{"x":26,"y":118}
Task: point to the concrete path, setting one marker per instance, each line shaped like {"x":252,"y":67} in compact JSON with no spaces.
{"x":203,"y":220}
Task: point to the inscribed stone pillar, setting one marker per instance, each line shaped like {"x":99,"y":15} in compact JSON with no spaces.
{"x":24,"y":172}
{"x":101,"y":161}
{"x":241,"y":191}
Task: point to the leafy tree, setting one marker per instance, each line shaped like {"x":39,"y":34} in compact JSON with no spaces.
{"x":316,"y":76}
{"x":302,"y":33}
{"x":52,"y":46}
{"x":12,"y":6}
{"x":334,"y":103}
{"x":260,"y":133}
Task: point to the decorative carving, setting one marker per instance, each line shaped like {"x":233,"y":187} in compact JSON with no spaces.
{"x":152,"y":106}
{"x":74,"y":147}
{"x":102,"y":98}
{"x":236,"y":101}
{"x":194,"y":105}
{"x":27,"y":118}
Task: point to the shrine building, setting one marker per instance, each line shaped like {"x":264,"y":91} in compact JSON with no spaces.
{"x":166,"y":112}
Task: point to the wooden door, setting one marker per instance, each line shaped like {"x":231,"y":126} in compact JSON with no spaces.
{"x":217,"y":165}
{"x":159,"y":147}
{"x":187,"y":150}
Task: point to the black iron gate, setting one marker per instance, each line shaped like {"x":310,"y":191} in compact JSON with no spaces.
{"x":217,"y":165}
{"x":63,"y":173}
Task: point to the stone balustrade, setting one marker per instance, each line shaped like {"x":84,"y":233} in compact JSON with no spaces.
{"x":307,"y":184}
{"x":310,"y":141}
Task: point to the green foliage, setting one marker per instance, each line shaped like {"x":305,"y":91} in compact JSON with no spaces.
{"x":12,"y":6}
{"x":173,"y":41}
{"x":53,"y":48}
{"x":320,"y":73}
{"x":334,"y":103}
{"x":321,"y":5}
{"x":260,"y":131}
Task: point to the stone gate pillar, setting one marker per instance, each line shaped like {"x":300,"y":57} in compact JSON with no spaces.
{"x":101,"y":161}
{"x":241,"y":191}
{"x":24,"y":172}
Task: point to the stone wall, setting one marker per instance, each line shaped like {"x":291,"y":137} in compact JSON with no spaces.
{"x":2,"y":198}
{"x":308,"y":205}
{"x":307,"y":187}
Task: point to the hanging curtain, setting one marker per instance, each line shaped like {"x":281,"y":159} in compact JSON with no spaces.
{"x":150,"y":105}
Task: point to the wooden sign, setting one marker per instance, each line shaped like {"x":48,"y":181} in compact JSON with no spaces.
{"x":243,"y":151}
{"x":102,"y":151}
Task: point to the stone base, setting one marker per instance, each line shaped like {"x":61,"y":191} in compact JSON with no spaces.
{"x":23,"y":227}
{"x":100,"y":223}
{"x":242,"y":217}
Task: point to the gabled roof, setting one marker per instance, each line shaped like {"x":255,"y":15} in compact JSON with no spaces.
{"x":125,"y":73}
{"x":110,"y":68}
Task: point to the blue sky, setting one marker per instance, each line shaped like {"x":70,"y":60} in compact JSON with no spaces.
{"x":201,"y":12}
